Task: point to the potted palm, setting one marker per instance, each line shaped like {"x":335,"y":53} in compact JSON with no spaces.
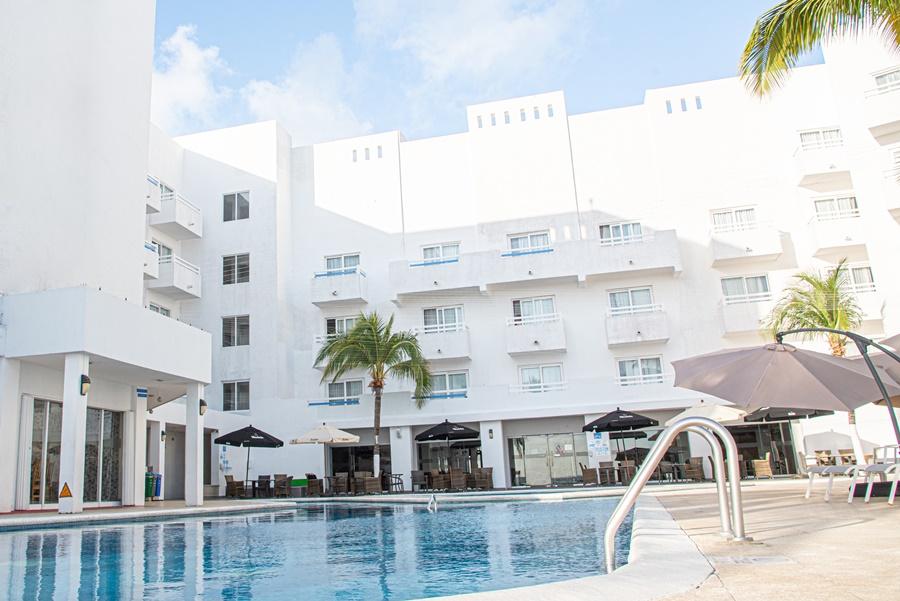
{"x":373,"y":345}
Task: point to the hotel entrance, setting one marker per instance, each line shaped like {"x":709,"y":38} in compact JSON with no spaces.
{"x":547,"y":459}
{"x":756,"y":440}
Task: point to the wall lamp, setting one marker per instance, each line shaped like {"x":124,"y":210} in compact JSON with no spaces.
{"x":203,"y":407}
{"x":162,"y":436}
{"x":85,"y":385}
{"x":491,"y":433}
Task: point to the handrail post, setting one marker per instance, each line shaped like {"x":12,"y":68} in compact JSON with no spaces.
{"x":719,"y":473}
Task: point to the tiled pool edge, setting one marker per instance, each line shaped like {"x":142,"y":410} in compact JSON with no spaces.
{"x":663,"y":560}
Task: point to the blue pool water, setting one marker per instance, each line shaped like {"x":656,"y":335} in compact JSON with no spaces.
{"x":331,"y":551}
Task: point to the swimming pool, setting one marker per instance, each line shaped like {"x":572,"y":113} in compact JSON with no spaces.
{"x":319,"y":552}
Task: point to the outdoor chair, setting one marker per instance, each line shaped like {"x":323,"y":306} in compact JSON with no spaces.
{"x":439,"y":481}
{"x":263,"y":484}
{"x":606,"y":471}
{"x":666,"y":471}
{"x":457,"y":479}
{"x":589,"y":476}
{"x":847,"y":456}
{"x":831,"y":471}
{"x":627,"y":470}
{"x":418,"y":479}
{"x":313,"y":486}
{"x":341,"y":483}
{"x":372,"y":484}
{"x":824,"y":457}
{"x":282,"y":485}
{"x":396,"y":482}
{"x":358,"y":485}
{"x":234,"y":488}
{"x":484,"y":478}
{"x":882,"y":471}
{"x":693,"y":469}
{"x":762,"y":468}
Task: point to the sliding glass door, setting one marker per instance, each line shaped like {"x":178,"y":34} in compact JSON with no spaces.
{"x":46,"y":436}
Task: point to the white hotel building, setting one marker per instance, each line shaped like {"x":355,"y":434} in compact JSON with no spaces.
{"x":554,"y":265}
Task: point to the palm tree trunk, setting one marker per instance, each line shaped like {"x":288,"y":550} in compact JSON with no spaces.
{"x":376,"y":450}
{"x":838,"y":349}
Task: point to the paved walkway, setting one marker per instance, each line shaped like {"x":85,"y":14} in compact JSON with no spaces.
{"x":805,"y":550}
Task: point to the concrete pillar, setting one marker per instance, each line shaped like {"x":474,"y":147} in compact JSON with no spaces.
{"x":403,"y":453}
{"x":157,"y":453}
{"x":10,"y":409}
{"x":74,"y":418}
{"x":135,"y":449}
{"x":700,"y":448}
{"x":193,"y":447}
{"x":493,"y":451}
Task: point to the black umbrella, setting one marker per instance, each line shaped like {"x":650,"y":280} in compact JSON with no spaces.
{"x":447,"y":431}
{"x":249,"y":437}
{"x":780,"y":414}
{"x":626,"y":435}
{"x":620,"y":421}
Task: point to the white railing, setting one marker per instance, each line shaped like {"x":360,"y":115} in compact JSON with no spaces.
{"x":643,"y":379}
{"x":862,"y":287}
{"x":440,"y":328}
{"x":527,"y":319}
{"x":631,"y":239}
{"x":328,"y":273}
{"x":822,"y":216}
{"x":178,"y":199}
{"x":754,"y":297}
{"x":538,"y":387}
{"x":172,"y":259}
{"x":727,"y":228}
{"x":883,"y":89}
{"x":632,"y":309}
{"x":819,"y":145}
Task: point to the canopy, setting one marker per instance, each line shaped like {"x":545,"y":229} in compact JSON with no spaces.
{"x":447,"y":431}
{"x":249,"y":437}
{"x":780,"y":414}
{"x":619,"y":420}
{"x":720,"y":413}
{"x":326,"y":434}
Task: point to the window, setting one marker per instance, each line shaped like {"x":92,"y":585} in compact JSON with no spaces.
{"x":236,"y":269}
{"x":746,"y":289}
{"x":236,"y":206}
{"x":683,"y":105}
{"x":531,"y":310}
{"x":530,"y":241}
{"x":697,"y":103}
{"x":354,"y":155}
{"x":236,"y":396}
{"x":858,"y":278}
{"x":549,"y":110}
{"x":343,"y":391}
{"x":821,"y":138}
{"x":493,"y":119}
{"x":506,"y":117}
{"x":438,"y":252}
{"x":162,"y":249}
{"x":669,"y":107}
{"x":346,"y":263}
{"x":159,"y":309}
{"x":541,"y":378}
{"x":450,"y":383}
{"x":443,"y":319}
{"x":621,"y":233}
{"x":640,"y":370}
{"x":521,"y":114}
{"x":339,"y":325}
{"x":366,"y":153}
{"x":889,"y":80}
{"x":841,"y":207}
{"x":537,"y":113}
{"x":379,"y":151}
{"x":236,"y":330}
{"x":631,"y":300}
{"x":734,"y":220}
{"x":478,"y":120}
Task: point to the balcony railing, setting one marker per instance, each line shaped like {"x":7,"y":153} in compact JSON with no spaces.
{"x":527,"y":319}
{"x":643,"y":379}
{"x":172,"y":259}
{"x":538,"y":387}
{"x":633,"y":309}
{"x":440,"y":328}
{"x":438,"y":261}
{"x":835,"y":215}
{"x":334,"y":402}
{"x":330,"y":273}
{"x":727,"y":228}
{"x":630,"y":239}
{"x":178,"y":217}
{"x":460,"y":393}
{"x":537,"y":250}
{"x":861,"y":288}
{"x":883,"y":89}
{"x":819,"y":145}
{"x":753,"y":297}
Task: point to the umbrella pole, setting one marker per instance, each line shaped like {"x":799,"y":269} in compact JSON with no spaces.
{"x":247,"y":472}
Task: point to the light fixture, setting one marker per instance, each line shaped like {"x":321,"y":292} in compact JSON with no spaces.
{"x":203,"y":407}
{"x":491,"y":433}
{"x":399,"y":435}
{"x":162,"y":436}
{"x":85,"y":384}
{"x":537,"y":342}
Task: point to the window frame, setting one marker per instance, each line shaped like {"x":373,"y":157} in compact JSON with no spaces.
{"x":837,"y":213}
{"x":235,"y":208}
{"x":236,"y":333}
{"x":631,"y":308}
{"x":235,"y":269}
{"x":442,"y":256}
{"x":529,"y":236}
{"x":343,"y":257}
{"x":642,"y":378}
{"x":157,"y":308}
{"x":734,"y":225}
{"x":821,"y":143}
{"x":236,"y":394}
{"x":345,"y":396}
{"x":448,"y":392}
{"x":746,"y":297}
{"x":522,"y":319}
{"x":441,"y":325}
{"x":542,"y":386}
{"x":342,"y":320}
{"x":621,"y":238}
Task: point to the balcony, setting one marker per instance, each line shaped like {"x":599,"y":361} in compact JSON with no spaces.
{"x":177,"y":279}
{"x":339,"y":286}
{"x":633,"y":325}
{"x":178,"y":218}
{"x":836,"y":231}
{"x":537,"y":333}
{"x":882,"y":113}
{"x":151,"y":261}
{"x":568,"y":260}
{"x":823,"y":167}
{"x":739,"y":243}
{"x":643,"y":380}
{"x":445,"y":341}
{"x":745,"y":313}
{"x":870,"y":301}
{"x":153,"y":195}
{"x":892,"y":191}
{"x":537,"y":387}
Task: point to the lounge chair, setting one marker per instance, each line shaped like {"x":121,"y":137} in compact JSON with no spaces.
{"x":439,"y":481}
{"x":831,"y":471}
{"x":340,"y":484}
{"x":589,"y":476}
{"x":762,"y":468}
{"x":457,"y":479}
{"x":263,"y":486}
{"x":606,"y":472}
{"x":313,"y":486}
{"x":417,"y":478}
{"x":484,"y":478}
{"x":666,"y":471}
{"x":358,"y":485}
{"x":885,"y":468}
{"x":372,"y":485}
{"x":234,"y":488}
{"x":693,"y":469}
{"x":282,"y":485}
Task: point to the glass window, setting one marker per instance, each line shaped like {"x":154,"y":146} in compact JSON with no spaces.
{"x":888,"y":80}
{"x":236,"y":206}
{"x":379,"y":152}
{"x":354,"y":155}
{"x":683,"y":105}
{"x":734,"y":220}
{"x":640,"y":370}
{"x":842,"y":207}
{"x":669,"y":107}
{"x":621,"y":233}
{"x":236,"y":269}
{"x":443,"y":319}
{"x":493,"y":119}
{"x":632,"y":300}
{"x":339,"y":325}
{"x":159,"y":309}
{"x":478,"y":120}
{"x":437,"y":252}
{"x":521,"y":114}
{"x":821,"y":138}
{"x":744,"y":289}
{"x":529,"y":241}
{"x":540,"y":378}
{"x":537,"y":113}
{"x":366,"y":153}
{"x":698,"y":103}
{"x":450,"y":382}
{"x":549,"y":110}
{"x":236,"y":330}
{"x":351,"y":389}
{"x":236,"y":396}
{"x":162,"y":249}
{"x":529,"y":310}
{"x":506,"y":117}
{"x":342,"y":262}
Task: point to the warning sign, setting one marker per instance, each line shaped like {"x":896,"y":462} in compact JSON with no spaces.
{"x":65,"y":493}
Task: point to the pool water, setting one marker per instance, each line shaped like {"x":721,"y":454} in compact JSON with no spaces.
{"x":329,"y":551}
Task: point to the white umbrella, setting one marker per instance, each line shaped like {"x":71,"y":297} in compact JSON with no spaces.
{"x":723,"y":414}
{"x":325,"y":435}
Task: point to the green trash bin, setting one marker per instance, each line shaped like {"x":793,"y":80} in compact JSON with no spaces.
{"x":149,"y":482}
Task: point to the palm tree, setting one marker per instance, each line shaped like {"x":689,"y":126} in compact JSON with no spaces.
{"x":373,"y":345}
{"x":785,"y":32}
{"x":821,"y":300}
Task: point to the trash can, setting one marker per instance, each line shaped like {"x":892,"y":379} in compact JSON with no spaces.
{"x":157,"y":485}
{"x":149,"y":486}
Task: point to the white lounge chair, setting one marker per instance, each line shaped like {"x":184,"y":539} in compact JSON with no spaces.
{"x":831,"y":471}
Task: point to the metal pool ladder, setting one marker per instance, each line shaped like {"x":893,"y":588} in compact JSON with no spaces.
{"x":711,"y":431}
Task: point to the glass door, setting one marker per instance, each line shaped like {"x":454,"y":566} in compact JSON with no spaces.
{"x":562,"y":459}
{"x":103,"y":456}
{"x":46,"y":439}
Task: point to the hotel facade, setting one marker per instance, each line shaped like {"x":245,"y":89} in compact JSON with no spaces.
{"x":553,"y":265}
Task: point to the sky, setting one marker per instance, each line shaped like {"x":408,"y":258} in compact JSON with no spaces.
{"x":335,"y":69}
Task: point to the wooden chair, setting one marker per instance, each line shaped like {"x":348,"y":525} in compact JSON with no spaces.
{"x":626,"y":471}
{"x":282,"y":485}
{"x":234,"y":488}
{"x":824,"y":457}
{"x":666,"y":471}
{"x":484,"y":478}
{"x":418,"y":479}
{"x":395,"y":482}
{"x":263,"y":485}
{"x":372,"y":484}
{"x":313,"y":486}
{"x":589,"y":476}
{"x":341,"y":483}
{"x":762,"y":468}
{"x":693,"y":469}
{"x":457,"y":479}
{"x":607,"y":471}
{"x":439,"y":481}
{"x":848,"y":457}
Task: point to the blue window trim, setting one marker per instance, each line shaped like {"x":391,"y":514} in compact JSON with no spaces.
{"x":531,"y":251}
{"x":447,"y":395}
{"x":434,"y":262}
{"x":333,"y":403}
{"x":150,"y":246}
{"x":152,"y":180}
{"x":336,"y":272}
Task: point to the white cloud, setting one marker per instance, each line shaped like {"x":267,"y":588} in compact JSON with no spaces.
{"x":312,"y":98}
{"x":185,"y":94}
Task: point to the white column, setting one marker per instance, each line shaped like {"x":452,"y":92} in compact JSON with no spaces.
{"x":10,"y":406}
{"x":193,"y":447}
{"x":700,"y":448}
{"x":402,"y":453}
{"x":157,"y":456}
{"x":135,"y":448}
{"x":493,"y":453}
{"x":74,"y":418}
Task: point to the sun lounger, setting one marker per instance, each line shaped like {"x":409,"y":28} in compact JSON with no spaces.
{"x":882,"y":471}
{"x":831,"y":471}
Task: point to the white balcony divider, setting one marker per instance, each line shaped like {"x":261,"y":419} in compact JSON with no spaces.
{"x":527,"y":319}
{"x":633,"y":309}
{"x":644,"y":379}
{"x":754,"y":297}
{"x":538,"y":387}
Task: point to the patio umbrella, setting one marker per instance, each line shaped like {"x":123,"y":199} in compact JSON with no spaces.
{"x":630,"y":435}
{"x":620,"y":421}
{"x":447,"y":431}
{"x":781,"y":376}
{"x":326,"y":435}
{"x":780,"y":414}
{"x":249,"y":437}
{"x":893,"y":342}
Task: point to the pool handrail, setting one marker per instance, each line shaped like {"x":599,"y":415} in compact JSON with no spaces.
{"x":648,"y":467}
{"x":718,"y":467}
